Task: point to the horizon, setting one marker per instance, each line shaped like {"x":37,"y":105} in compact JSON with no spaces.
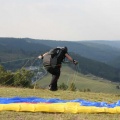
{"x":56,"y":40}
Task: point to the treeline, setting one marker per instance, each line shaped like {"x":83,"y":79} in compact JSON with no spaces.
{"x":20,"y":78}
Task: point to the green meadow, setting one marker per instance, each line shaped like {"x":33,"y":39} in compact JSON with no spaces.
{"x":82,"y":82}
{"x":100,"y":90}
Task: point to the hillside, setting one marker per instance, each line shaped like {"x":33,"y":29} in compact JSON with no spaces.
{"x":111,"y":46}
{"x":15,"y":49}
{"x":12,"y":48}
{"x":97,"y":68}
{"x":112,"y":43}
{"x":93,"y":50}
{"x":81,"y":81}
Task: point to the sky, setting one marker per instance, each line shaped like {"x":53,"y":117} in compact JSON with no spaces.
{"x":60,"y":19}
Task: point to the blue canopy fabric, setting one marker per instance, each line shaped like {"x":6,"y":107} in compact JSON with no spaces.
{"x":56,"y":100}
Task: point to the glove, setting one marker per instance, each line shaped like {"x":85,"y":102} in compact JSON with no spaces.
{"x":40,"y":57}
{"x":75,"y":62}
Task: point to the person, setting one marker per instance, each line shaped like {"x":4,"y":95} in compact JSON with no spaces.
{"x":61,"y":53}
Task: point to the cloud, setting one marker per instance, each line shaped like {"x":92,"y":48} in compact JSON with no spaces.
{"x":63,"y":19}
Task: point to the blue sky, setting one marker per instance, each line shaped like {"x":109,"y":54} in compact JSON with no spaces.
{"x":60,"y":19}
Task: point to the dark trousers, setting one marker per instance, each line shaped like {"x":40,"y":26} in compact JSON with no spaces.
{"x":55,"y":76}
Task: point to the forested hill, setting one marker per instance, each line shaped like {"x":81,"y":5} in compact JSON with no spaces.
{"x":96,"y":68}
{"x":14,"y":48}
{"x":89,"y":49}
{"x":112,"y":43}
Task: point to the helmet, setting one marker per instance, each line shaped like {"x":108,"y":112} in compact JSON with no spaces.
{"x":66,"y":49}
{"x":63,"y":48}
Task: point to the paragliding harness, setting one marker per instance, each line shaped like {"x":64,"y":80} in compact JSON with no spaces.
{"x":51,"y":58}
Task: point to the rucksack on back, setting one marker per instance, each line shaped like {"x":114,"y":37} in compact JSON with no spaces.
{"x":51,"y":58}
{"x":47,"y":59}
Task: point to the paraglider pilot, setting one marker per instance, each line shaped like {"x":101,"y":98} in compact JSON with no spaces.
{"x":52,"y":61}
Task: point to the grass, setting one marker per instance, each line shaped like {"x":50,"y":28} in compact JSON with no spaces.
{"x":100,"y":91}
{"x":67,"y":95}
{"x":82,"y":82}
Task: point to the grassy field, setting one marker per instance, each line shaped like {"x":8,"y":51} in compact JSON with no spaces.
{"x":67,"y":95}
{"x":82,"y":82}
{"x":101,"y":90}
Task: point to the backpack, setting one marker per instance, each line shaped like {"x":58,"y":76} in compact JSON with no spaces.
{"x":51,"y":58}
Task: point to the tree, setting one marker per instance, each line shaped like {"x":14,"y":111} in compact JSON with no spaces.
{"x":23,"y":78}
{"x":2,"y":69}
{"x":6,"y":77}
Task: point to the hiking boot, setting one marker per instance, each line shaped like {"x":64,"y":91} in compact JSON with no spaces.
{"x":52,"y":89}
